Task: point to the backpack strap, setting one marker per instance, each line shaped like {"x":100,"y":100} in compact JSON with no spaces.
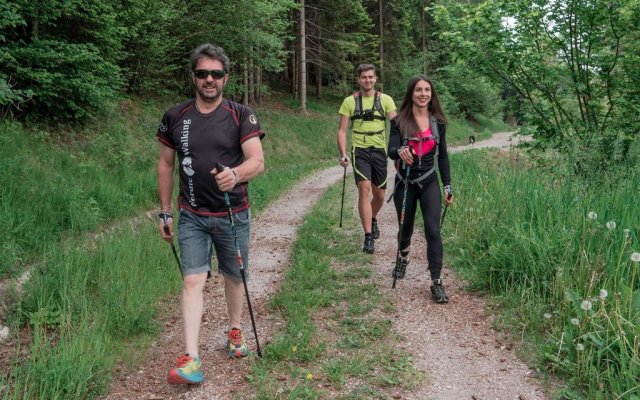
{"x":377,"y":106}
{"x":357,"y":96}
{"x":433,"y":124}
{"x":435,"y":135}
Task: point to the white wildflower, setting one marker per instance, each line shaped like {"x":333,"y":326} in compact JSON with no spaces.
{"x":611,"y":225}
{"x":635,"y":257}
{"x":547,"y":315}
{"x":603,"y":294}
{"x":586,"y":305}
{"x":579,"y":347}
{"x":478,"y":199}
{"x":626,"y":232}
{"x":592,"y":215}
{"x":575,"y":321}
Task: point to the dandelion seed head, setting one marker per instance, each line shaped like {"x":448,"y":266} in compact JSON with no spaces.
{"x":579,"y":347}
{"x":575,"y":321}
{"x":603,"y":294}
{"x":635,"y":257}
{"x":592,"y":215}
{"x":547,"y":315}
{"x":479,"y":199}
{"x":586,"y":305}
{"x":626,"y":232}
{"x":611,"y":225}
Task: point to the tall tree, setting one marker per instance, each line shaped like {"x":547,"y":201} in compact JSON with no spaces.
{"x":303,"y":59}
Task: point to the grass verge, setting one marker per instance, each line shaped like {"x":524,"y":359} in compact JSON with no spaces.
{"x":562,"y":257}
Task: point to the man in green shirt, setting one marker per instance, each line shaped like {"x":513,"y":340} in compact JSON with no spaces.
{"x":368,"y":110}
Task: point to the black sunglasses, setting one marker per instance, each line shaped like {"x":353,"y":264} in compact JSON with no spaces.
{"x":215,"y":73}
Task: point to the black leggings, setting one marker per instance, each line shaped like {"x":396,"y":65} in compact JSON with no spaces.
{"x":430,"y":200}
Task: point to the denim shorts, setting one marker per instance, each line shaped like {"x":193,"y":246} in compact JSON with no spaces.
{"x":199,"y":235}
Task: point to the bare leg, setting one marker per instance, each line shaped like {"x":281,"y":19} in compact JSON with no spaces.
{"x":364,"y":205}
{"x":377,"y":201}
{"x":192,"y":304}
{"x":234,"y":293}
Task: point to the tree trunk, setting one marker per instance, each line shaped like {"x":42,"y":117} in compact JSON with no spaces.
{"x":294,"y":72}
{"x":252,"y":83}
{"x":303,"y":61}
{"x":245,"y":80}
{"x":318,"y":80}
{"x":424,"y":39}
{"x":258,"y":85}
{"x":381,"y":22}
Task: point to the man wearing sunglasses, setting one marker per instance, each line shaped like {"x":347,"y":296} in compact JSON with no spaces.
{"x":367,"y":110}
{"x":203,"y":132}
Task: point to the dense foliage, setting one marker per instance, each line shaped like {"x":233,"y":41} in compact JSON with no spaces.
{"x":572,"y":67}
{"x":62,"y":62}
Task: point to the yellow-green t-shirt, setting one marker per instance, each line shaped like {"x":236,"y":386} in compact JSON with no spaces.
{"x":348,"y":108}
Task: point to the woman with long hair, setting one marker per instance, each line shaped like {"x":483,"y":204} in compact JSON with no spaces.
{"x":418,"y":139}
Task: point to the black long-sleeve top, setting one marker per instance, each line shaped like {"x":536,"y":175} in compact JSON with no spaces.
{"x":422,"y":165}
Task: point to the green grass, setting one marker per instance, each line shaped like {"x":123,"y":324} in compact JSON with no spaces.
{"x":83,"y":303}
{"x":524,"y":235}
{"x":54,"y":185}
{"x":57,"y":191}
{"x":331,"y":281}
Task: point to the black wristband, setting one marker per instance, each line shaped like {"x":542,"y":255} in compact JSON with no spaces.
{"x":165,"y":217}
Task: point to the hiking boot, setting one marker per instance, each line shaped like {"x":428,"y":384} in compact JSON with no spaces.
{"x":236,"y":344}
{"x":367,"y":247}
{"x":188,"y":371}
{"x":400,"y":268}
{"x":375,"y":232}
{"x":438,"y":293}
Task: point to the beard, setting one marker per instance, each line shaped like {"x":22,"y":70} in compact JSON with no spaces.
{"x":209,"y":97}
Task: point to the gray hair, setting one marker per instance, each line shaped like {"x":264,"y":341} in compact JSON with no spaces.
{"x":210,"y":51}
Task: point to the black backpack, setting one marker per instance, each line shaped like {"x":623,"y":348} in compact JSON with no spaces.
{"x":368,"y":115}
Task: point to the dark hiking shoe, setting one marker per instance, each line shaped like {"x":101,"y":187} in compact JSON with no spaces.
{"x":367,"y":247}
{"x":438,"y":293}
{"x":375,"y":232}
{"x":401,"y":268}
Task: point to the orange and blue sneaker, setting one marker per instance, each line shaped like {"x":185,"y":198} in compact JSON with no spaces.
{"x":236,"y":344}
{"x":188,"y":371}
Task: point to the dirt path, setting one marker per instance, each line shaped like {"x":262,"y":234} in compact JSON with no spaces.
{"x":453,"y":343}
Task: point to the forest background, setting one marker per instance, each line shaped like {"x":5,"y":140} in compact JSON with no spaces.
{"x":567,"y":72}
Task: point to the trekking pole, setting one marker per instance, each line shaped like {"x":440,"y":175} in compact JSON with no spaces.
{"x":344,"y":179}
{"x":173,"y":247}
{"x":404,"y":203}
{"x":227,"y":202}
{"x":444,"y":213}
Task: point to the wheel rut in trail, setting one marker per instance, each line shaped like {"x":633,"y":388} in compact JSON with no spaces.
{"x":453,"y":343}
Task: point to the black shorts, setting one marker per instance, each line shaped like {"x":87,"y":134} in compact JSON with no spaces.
{"x":370,"y":164}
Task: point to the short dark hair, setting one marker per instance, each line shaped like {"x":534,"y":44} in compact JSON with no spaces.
{"x":365,"y":67}
{"x":210,"y":51}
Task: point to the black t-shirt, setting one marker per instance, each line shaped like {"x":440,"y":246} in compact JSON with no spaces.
{"x":201,"y":141}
